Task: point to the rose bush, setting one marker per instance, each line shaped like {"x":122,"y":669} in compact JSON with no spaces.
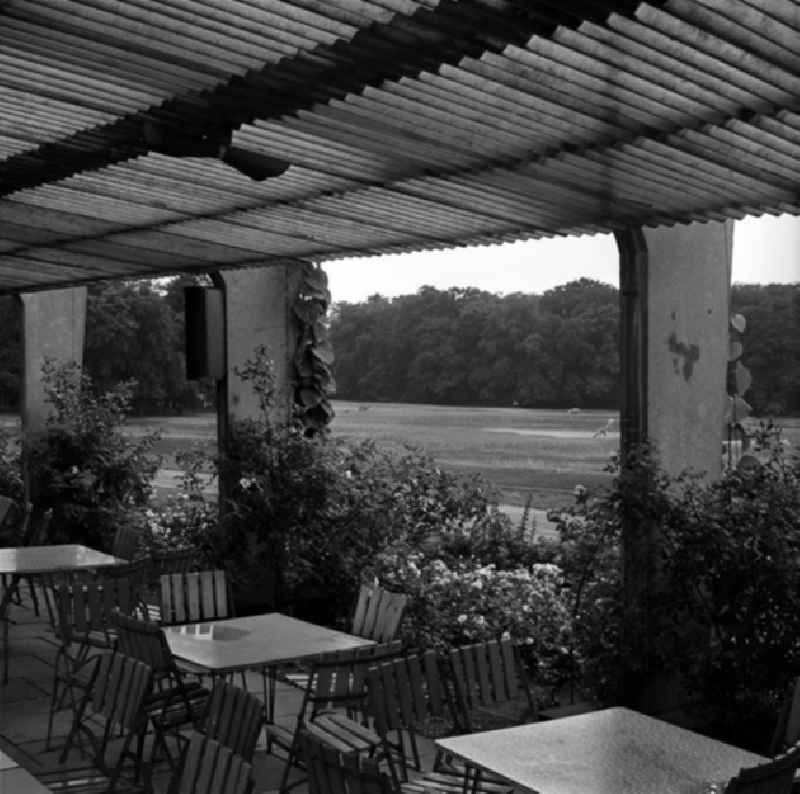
{"x":462,"y":600}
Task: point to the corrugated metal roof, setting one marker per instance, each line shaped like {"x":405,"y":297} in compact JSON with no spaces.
{"x":407,"y":125}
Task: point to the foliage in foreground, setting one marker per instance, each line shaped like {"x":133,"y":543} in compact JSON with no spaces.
{"x":724,"y":615}
{"x":83,"y":467}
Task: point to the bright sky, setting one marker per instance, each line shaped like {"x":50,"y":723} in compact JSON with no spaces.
{"x":765,"y":250}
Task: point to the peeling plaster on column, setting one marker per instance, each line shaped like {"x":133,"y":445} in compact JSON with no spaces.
{"x":688,"y":310}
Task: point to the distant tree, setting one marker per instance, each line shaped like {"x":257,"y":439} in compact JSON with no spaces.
{"x":468,"y":346}
{"x":134,"y":333}
{"x":10,"y":352}
{"x":771,"y":344}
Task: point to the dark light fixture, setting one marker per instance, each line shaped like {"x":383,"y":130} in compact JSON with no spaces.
{"x":218,"y":145}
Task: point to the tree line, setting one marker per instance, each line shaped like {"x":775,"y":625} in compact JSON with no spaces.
{"x":457,"y":346}
{"x":558,"y":349}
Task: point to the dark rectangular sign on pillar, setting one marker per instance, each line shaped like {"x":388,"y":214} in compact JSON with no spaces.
{"x":205,"y":333}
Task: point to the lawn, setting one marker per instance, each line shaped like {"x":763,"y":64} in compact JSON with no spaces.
{"x":541,"y":452}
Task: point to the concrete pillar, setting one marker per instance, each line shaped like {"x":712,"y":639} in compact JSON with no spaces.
{"x":688,"y":308}
{"x":54,"y":326}
{"x":258,"y":310}
{"x":674,"y":305}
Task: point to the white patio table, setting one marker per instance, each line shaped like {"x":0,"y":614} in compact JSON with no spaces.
{"x":256,"y":642}
{"x":21,"y":561}
{"x":16,"y":780}
{"x":613,"y":751}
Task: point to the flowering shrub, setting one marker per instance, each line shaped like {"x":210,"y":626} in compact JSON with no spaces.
{"x":462,"y":601}
{"x":180,"y":522}
{"x":93,"y":477}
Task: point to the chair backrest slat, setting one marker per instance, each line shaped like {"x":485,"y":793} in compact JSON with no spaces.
{"x":488,"y":674}
{"x":210,"y":768}
{"x":233,"y":718}
{"x":774,"y":777}
{"x":340,"y":677}
{"x":84,"y":605}
{"x":360,"y":613}
{"x":331,"y":772}
{"x":120,"y":690}
{"x":405,"y":692}
{"x":126,"y":543}
{"x":378,"y":613}
{"x":194,"y":596}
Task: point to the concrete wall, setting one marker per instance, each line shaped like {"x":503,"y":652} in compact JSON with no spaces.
{"x":54,"y":326}
{"x":258,"y":311}
{"x":688,"y":289}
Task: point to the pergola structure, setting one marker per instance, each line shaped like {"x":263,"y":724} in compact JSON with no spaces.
{"x":142,"y":137}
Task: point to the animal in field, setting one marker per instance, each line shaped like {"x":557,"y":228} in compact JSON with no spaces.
{"x":603,"y":431}
{"x":574,"y":411}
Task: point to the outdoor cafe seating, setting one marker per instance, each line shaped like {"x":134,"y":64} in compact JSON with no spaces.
{"x":371,"y":714}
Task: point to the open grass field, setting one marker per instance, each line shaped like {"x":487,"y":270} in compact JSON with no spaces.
{"x":522,"y":451}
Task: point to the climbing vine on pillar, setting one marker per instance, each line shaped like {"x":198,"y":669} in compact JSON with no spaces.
{"x":738,"y":382}
{"x":313,"y":356}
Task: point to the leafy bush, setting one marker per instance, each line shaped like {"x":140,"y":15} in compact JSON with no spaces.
{"x":461,"y":601}
{"x":306,"y":515}
{"x":93,"y":477}
{"x":724,"y":614}
{"x":10,"y":469}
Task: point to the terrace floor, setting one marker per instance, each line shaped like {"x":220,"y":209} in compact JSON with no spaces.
{"x":24,"y":708}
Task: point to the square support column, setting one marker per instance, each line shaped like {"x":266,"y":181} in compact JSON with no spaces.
{"x":258,"y":311}
{"x":674,"y":306}
{"x":54,"y":326}
{"x":688,"y":296}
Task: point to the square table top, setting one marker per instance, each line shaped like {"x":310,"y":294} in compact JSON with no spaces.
{"x":613,"y":751}
{"x":48,"y":559}
{"x":17,"y":780}
{"x":255,"y":641}
{"x":6,"y":762}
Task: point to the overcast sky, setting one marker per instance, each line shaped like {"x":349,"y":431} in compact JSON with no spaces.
{"x":765,"y":250}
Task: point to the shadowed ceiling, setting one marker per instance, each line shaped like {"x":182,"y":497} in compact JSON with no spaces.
{"x":383,"y":126}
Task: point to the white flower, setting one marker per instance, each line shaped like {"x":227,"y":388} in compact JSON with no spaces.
{"x":461,"y":619}
{"x":506,"y":635}
{"x":529,"y":640}
{"x":246,"y":482}
{"x":348,"y":474}
{"x":73,"y":470}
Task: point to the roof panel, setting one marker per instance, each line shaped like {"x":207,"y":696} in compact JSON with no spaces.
{"x":405,"y":124}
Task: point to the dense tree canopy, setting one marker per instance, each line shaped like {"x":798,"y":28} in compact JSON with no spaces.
{"x":460,"y":345}
{"x":467,"y":346}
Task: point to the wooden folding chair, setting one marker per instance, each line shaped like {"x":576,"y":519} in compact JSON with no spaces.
{"x":491,"y":686}
{"x":773,"y":777}
{"x":126,"y":543}
{"x":116,"y":700}
{"x":376,"y":617}
{"x":334,"y":698}
{"x":209,"y":767}
{"x":82,"y":622}
{"x":378,"y":613}
{"x":333,"y":772}
{"x":407,"y":699}
{"x":194,"y":596}
{"x":234,"y":718}
{"x":173,"y":703}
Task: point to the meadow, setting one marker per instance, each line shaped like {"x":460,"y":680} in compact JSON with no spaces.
{"x":522,"y":451}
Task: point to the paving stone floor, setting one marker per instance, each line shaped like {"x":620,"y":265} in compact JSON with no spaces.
{"x":24,"y":707}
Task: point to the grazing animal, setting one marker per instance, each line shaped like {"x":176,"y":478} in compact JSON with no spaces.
{"x":603,"y":431}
